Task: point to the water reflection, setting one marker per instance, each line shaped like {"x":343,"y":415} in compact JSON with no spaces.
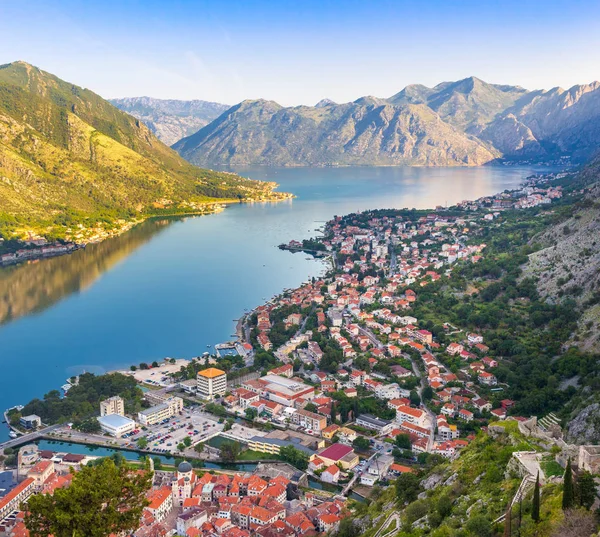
{"x":37,"y":285}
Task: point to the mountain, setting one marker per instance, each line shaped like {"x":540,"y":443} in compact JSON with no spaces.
{"x":465,"y":123}
{"x":369,"y":131}
{"x":67,"y":156}
{"x":170,"y":120}
{"x":553,"y":122}
{"x":467,"y":104}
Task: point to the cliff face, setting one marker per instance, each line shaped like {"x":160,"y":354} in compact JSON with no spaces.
{"x":367,"y":132}
{"x":171,"y":120}
{"x":464,"y":123}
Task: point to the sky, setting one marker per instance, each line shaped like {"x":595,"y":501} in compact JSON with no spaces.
{"x":301,"y":52}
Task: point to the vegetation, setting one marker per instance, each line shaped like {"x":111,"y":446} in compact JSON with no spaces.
{"x":294,"y":456}
{"x":101,"y":500}
{"x":84,"y":400}
{"x":72,"y":158}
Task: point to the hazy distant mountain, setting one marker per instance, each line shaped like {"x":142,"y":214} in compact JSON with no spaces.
{"x":468,"y":122}
{"x":170,"y":120}
{"x":367,"y":131}
{"x":550,"y":122}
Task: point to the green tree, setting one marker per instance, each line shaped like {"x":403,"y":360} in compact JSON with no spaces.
{"x":181,"y":446}
{"x":403,"y":441}
{"x":230,"y":451}
{"x":89,"y":426}
{"x":587,"y":490}
{"x":535,"y":508}
{"x":361,"y":443}
{"x":408,"y":487}
{"x":187,"y":441}
{"x":251,"y":413}
{"x":415,"y":400}
{"x":479,"y":526}
{"x":142,"y":442}
{"x":333,"y":412}
{"x":444,"y":505}
{"x":199,"y":447}
{"x":568,"y":498}
{"x":101,"y":500}
{"x":294,"y":456}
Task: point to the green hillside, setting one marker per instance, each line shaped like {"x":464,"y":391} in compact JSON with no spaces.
{"x":69,"y":157}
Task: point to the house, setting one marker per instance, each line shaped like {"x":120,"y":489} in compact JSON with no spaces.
{"x":411,"y":415}
{"x":489,"y":362}
{"x":331,"y":474}
{"x":161,"y":502}
{"x":487,"y":379}
{"x":454,"y":348}
{"x":465,"y":414}
{"x":499,"y":413}
{"x":330,"y":431}
{"x":481,"y":404}
{"x":473,"y":339}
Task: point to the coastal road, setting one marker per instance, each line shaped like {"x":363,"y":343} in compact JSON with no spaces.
{"x":30,"y":437}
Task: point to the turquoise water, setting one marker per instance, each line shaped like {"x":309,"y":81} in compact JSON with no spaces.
{"x":170,"y":288}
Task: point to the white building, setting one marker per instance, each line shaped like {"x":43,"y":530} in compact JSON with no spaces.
{"x":112,"y":405}
{"x":163,"y":411}
{"x":211,"y":382}
{"x":116,"y":425}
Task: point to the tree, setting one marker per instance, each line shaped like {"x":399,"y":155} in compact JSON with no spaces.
{"x":333,"y":413}
{"x":230,"y":451}
{"x":157,"y":463}
{"x":347,"y":528}
{"x":181,"y":446}
{"x":479,"y":526}
{"x":294,"y":456}
{"x":90,"y":426}
{"x":444,"y":505}
{"x":568,"y":498}
{"x":535,"y":508}
{"x":427,"y":393}
{"x":415,"y":400}
{"x":361,"y":443}
{"x":251,"y":413}
{"x":587,"y":490}
{"x":101,"y":500}
{"x":187,"y":441}
{"x":199,"y":447}
{"x":311,"y":407}
{"x":577,"y":523}
{"x":142,"y":442}
{"x":403,"y":441}
{"x":408,"y":487}
{"x":154,"y":364}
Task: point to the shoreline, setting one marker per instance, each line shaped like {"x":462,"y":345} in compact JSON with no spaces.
{"x":244,"y":316}
{"x":57,"y":249}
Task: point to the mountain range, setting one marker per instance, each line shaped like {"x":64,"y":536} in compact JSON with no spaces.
{"x":67,"y":155}
{"x":464,"y":123}
{"x":169,"y":119}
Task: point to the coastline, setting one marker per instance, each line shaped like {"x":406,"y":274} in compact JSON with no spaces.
{"x":55,"y":249}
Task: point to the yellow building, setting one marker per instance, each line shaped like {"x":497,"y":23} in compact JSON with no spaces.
{"x":329,"y":432}
{"x":211,"y":382}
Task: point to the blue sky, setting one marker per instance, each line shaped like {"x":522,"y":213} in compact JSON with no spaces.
{"x":300,"y":52}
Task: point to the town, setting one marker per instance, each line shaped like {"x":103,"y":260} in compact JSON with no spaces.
{"x":333,"y":388}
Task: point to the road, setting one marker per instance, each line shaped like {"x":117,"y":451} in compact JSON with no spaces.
{"x":26,"y":438}
{"x":350,"y":484}
{"x":432,"y":416}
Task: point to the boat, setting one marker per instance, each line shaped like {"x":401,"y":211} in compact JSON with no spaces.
{"x":12,"y":434}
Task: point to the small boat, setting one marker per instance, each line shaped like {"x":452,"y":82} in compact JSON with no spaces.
{"x":12,"y":434}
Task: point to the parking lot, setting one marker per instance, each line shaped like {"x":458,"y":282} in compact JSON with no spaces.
{"x":166,"y":436}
